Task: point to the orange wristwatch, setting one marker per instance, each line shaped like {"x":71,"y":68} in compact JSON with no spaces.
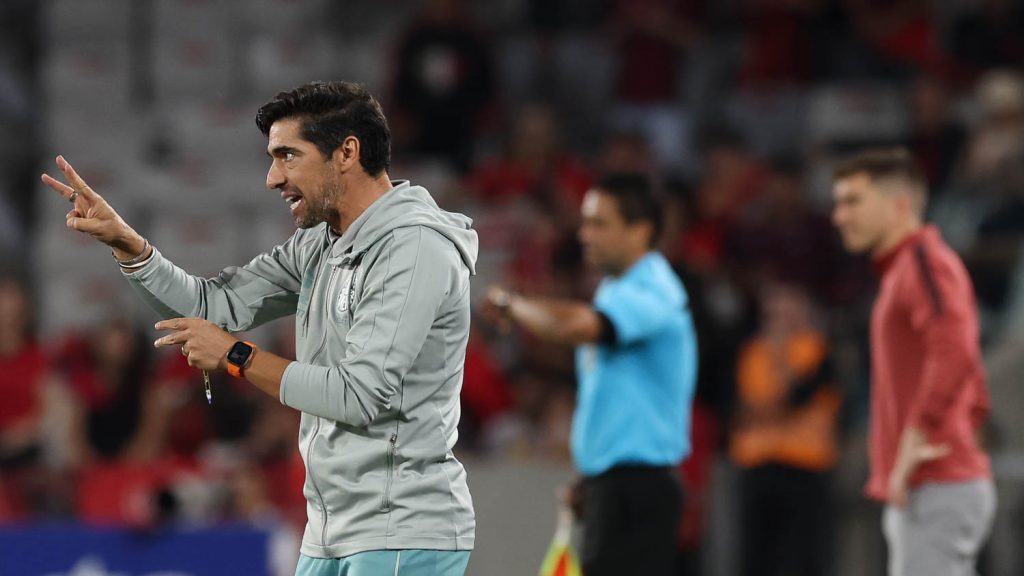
{"x":239,"y":358}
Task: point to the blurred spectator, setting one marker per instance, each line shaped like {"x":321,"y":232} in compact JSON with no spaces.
{"x":107,"y":371}
{"x":733,"y":178}
{"x":486,"y":397}
{"x":994,"y":173}
{"x":534,"y":166}
{"x":270,"y":446}
{"x":123,"y":410}
{"x":998,"y":139}
{"x":23,"y":372}
{"x":988,"y":34}
{"x":138,"y":429}
{"x":783,"y":236}
{"x":900,"y":35}
{"x":716,"y":345}
{"x":780,"y":42}
{"x":651,"y":37}
{"x":443,"y":83}
{"x":785,"y":441}
{"x":699,"y":225}
{"x":626,"y":152}
{"x":780,"y":45}
{"x":534,"y":187}
{"x":937,"y":139}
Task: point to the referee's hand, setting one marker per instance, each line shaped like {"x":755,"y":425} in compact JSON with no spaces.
{"x":496,"y":308}
{"x":90,"y":214}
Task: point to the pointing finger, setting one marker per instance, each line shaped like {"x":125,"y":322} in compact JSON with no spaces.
{"x":171,"y":340}
{"x":172,"y":324}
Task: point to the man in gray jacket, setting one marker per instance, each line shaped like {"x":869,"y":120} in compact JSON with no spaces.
{"x":377,"y":277}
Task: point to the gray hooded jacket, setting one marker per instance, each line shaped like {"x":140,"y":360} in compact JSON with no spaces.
{"x":382,"y":321}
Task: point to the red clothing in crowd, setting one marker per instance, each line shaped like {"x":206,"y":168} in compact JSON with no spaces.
{"x":507,"y":179}
{"x":926,"y":366}
{"x":20,"y":384}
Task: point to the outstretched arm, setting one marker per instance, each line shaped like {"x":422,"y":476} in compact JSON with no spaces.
{"x":237,"y":299}
{"x":557,"y":321}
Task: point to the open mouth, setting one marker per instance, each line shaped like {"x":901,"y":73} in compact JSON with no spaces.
{"x":293,"y":200}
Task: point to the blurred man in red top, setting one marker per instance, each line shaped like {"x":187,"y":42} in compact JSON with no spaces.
{"x":928,"y":393}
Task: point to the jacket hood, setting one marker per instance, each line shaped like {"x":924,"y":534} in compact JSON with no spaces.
{"x":402,"y":206}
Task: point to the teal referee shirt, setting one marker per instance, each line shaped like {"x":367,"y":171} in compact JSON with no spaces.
{"x":634,"y":397}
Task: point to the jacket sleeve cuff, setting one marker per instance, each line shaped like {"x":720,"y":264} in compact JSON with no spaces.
{"x":152,"y":263}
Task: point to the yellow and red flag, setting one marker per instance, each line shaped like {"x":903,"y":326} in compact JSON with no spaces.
{"x":561,"y":559}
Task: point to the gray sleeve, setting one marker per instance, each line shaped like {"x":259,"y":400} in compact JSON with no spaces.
{"x":237,"y":299}
{"x":404,"y":289}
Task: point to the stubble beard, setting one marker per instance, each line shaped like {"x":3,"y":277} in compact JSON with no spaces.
{"x":320,"y":210}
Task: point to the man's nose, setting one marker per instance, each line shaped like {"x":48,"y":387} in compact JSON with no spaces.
{"x":275,"y":176}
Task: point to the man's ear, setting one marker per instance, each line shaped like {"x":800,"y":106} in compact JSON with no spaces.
{"x":906,"y":202}
{"x":643,"y":231}
{"x":346,"y":155}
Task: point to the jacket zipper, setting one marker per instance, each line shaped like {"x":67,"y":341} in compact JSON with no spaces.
{"x":385,"y":503}
{"x":309,"y":450}
{"x":312,"y":480}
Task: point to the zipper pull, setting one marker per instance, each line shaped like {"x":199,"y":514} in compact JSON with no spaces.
{"x":394,"y":438}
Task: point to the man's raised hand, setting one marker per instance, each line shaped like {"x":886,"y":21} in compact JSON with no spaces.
{"x":92,"y":215}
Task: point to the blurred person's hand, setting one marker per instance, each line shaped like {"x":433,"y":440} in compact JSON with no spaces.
{"x":203,"y":343}
{"x":914,"y":450}
{"x":572,"y":497}
{"x":496,"y":308}
{"x":93,"y":216}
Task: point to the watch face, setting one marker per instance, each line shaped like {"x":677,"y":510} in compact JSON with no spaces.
{"x":239,"y":353}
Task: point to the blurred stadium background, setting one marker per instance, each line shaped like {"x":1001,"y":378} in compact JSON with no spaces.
{"x":506,"y":110}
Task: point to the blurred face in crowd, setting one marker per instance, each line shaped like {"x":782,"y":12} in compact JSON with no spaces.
{"x":536,"y":135}
{"x":309,"y":183}
{"x":870,"y":213}
{"x":929,"y":105}
{"x":785,"y":311}
{"x":115,"y":344}
{"x":610,"y":243}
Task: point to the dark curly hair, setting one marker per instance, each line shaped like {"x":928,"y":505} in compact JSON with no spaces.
{"x":330,"y":112}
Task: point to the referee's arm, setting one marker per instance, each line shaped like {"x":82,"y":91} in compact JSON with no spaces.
{"x":558,"y":321}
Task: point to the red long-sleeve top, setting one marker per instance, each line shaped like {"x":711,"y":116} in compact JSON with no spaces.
{"x":926,"y":368}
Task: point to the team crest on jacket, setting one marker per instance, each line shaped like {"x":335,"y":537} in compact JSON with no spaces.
{"x":346,"y":294}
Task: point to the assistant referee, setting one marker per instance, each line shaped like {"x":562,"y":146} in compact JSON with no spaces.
{"x":636,"y":362}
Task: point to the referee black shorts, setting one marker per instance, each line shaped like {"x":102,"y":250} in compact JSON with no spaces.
{"x":631,"y":520}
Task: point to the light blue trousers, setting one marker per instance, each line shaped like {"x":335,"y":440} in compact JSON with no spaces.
{"x":388,"y":563}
